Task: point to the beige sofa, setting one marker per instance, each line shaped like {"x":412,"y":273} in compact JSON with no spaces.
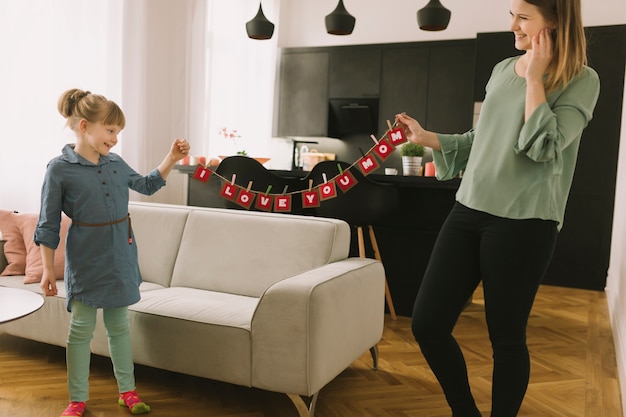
{"x":262,"y":300}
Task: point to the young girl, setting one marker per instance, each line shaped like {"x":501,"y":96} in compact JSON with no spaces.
{"x":519,"y":163}
{"x":90,"y":184}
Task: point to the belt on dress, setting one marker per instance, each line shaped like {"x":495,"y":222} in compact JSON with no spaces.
{"x":122,"y":220}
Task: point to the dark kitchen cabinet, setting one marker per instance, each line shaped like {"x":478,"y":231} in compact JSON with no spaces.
{"x":354,"y":72}
{"x":432,"y":81}
{"x":404,"y":84}
{"x":450,"y":87}
{"x":303,"y":94}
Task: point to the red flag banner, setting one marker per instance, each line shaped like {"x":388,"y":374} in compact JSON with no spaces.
{"x":264,"y":202}
{"x":396,"y":136}
{"x":282,"y":203}
{"x":368,"y":164}
{"x":202,"y":173}
{"x":245,"y":199}
{"x":384,"y":149}
{"x":328,"y":190}
{"x":229,"y":191}
{"x":346,"y":180}
{"x":310,"y":199}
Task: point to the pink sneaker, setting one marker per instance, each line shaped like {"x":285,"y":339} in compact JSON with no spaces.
{"x":131,"y":400}
{"x":75,"y":409}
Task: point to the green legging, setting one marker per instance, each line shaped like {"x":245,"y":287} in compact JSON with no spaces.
{"x":82,"y":326}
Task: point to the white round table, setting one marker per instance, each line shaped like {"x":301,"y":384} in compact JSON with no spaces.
{"x":16,"y":303}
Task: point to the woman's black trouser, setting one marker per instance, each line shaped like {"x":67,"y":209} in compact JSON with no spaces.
{"x":510,"y":257}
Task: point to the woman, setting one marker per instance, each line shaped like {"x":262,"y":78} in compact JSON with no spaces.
{"x":518,"y":167}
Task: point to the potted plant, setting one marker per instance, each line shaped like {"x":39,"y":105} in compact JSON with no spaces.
{"x":412,"y":154}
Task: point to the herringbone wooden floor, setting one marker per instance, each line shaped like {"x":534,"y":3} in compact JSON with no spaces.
{"x":573,"y":374}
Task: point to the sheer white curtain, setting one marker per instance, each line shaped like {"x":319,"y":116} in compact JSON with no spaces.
{"x":162,"y":75}
{"x":47,"y":47}
{"x":241,"y":77}
{"x":189,"y":69}
{"x":182,"y":68}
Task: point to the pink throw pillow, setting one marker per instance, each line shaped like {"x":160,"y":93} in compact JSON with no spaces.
{"x":27,"y":255}
{"x":34,"y":265}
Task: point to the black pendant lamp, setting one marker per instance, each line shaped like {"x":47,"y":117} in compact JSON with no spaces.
{"x":433,"y":17}
{"x":259,"y":27}
{"x":340,"y":22}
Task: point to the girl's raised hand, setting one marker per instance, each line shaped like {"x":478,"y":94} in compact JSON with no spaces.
{"x":180,"y":149}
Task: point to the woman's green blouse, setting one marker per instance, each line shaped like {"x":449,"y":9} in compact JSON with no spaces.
{"x":514,"y":168}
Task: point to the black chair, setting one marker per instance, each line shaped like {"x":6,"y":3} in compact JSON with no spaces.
{"x":248,"y":169}
{"x":361,"y":206}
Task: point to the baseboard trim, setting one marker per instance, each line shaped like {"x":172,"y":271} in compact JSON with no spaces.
{"x":618,"y":327}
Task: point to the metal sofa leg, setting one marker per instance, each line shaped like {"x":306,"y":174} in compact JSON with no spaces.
{"x":304,"y":409}
{"x":374,"y":353}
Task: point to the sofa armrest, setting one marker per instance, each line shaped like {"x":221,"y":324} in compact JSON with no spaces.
{"x":308,"y":328}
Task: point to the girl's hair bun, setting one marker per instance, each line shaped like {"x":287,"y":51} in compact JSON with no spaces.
{"x":76,"y":104}
{"x":68,"y":101}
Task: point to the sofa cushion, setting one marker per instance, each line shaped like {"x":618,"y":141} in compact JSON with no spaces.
{"x":240,"y":252}
{"x":199,"y":305}
{"x":34,"y":264}
{"x":158,"y":234}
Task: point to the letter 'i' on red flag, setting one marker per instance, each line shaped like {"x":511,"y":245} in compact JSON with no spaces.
{"x":282,"y":203}
{"x":245,"y":199}
{"x":202,"y":173}
{"x":384,"y":149}
{"x":346,"y":181}
{"x":328,"y":190}
{"x":229,"y":191}
{"x":397,"y":137}
{"x":368,"y":164}
{"x":264,"y":202}
{"x":310,"y":199}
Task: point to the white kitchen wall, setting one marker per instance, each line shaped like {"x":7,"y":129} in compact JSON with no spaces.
{"x":302,"y":22}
